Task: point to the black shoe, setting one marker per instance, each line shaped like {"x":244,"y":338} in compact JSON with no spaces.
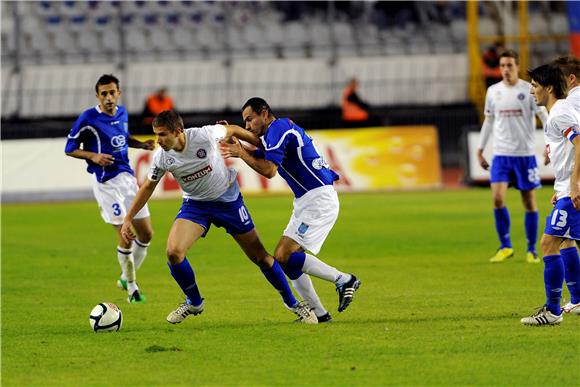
{"x":324,"y":318}
{"x":346,"y":292}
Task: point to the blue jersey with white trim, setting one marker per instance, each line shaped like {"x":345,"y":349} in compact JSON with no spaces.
{"x":99,"y":132}
{"x":299,"y":162}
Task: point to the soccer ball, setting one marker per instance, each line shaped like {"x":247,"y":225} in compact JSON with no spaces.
{"x":106,"y":317}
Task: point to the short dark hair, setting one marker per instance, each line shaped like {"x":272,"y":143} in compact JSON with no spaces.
{"x":550,"y":75}
{"x":168,"y":119}
{"x":105,"y":79}
{"x":510,"y":54}
{"x":257,"y":104}
{"x":569,"y":64}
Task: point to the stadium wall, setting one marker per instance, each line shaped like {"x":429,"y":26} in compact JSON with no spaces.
{"x":383,"y":158}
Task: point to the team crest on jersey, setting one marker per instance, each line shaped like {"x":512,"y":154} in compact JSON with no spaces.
{"x":118,"y":141}
{"x":302,"y":229}
{"x":521,"y":96}
{"x":170,"y":160}
{"x":319,"y":163}
{"x":201,"y":153}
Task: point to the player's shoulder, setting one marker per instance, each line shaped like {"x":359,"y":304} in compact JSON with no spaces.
{"x":121,"y":110}
{"x":523,"y":84}
{"x":90,"y":113}
{"x":280,"y":126}
{"x":495,"y":87}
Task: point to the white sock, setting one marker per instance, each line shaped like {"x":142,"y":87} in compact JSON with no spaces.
{"x":303,"y":286}
{"x":127,"y":264}
{"x":131,"y":287}
{"x":139,"y":252}
{"x":317,"y":268}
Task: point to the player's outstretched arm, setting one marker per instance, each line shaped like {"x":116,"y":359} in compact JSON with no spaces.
{"x":242,"y":134}
{"x":147,"y":145}
{"x":102,"y":159}
{"x":263,"y":167}
{"x":139,"y":202}
{"x":575,"y":178}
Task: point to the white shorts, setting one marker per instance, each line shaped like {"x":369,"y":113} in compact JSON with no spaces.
{"x":115,"y":197}
{"x":313,"y":217}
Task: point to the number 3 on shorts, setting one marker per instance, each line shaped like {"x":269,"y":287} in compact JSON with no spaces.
{"x":116,"y":209}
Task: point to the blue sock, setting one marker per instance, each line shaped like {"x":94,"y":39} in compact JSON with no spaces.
{"x":553,"y":281}
{"x":276,"y":277}
{"x":502,"y":226}
{"x":531,"y":222}
{"x":183,"y":274}
{"x":294,"y":265}
{"x":572,"y":272}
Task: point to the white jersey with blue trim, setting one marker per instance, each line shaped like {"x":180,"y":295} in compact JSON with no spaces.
{"x":513,"y":109}
{"x":199,"y":168}
{"x":562,"y":127}
{"x":299,"y":162}
{"x":99,"y":132}
{"x":574,"y":98}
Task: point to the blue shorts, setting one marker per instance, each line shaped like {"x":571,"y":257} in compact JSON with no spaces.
{"x":233,"y":216}
{"x":564,"y":221}
{"x":520,"y":171}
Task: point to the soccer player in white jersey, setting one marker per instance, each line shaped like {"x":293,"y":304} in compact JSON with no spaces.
{"x":561,"y":133}
{"x":101,"y":137}
{"x":211,"y":195}
{"x":570,"y":66}
{"x":510,"y":115}
{"x":289,"y":151}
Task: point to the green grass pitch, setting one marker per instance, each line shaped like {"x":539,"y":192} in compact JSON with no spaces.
{"x":431,"y":309}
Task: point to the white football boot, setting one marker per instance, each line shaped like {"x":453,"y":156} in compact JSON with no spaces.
{"x":184,"y":310}
{"x":542,"y":317}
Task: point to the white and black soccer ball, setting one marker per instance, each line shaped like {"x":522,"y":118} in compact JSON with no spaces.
{"x":106,"y":317}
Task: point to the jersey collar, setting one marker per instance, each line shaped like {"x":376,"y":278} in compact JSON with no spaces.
{"x":98,"y":107}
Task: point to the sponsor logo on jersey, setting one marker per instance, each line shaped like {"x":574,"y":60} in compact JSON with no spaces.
{"x":201,"y":153}
{"x":197,"y":174}
{"x":511,"y":113}
{"x":115,"y":122}
{"x":155,"y":173}
{"x":521,"y":96}
{"x":319,"y":163}
{"x":303,"y":228}
{"x":118,"y":141}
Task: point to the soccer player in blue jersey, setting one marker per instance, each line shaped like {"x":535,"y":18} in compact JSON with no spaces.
{"x":510,"y":116}
{"x":289,"y":151}
{"x":211,"y":195}
{"x":100,"y":136}
{"x":562,"y":135}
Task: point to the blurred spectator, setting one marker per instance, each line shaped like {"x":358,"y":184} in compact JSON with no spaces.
{"x":490,"y":63}
{"x":155,"y":104}
{"x":354,"y":110}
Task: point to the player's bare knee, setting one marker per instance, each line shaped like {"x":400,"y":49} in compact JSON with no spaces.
{"x":264,"y":261}
{"x":498,"y":201}
{"x":550,"y":245}
{"x":174,"y":255}
{"x":281,"y":255}
{"x":146,"y":235}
